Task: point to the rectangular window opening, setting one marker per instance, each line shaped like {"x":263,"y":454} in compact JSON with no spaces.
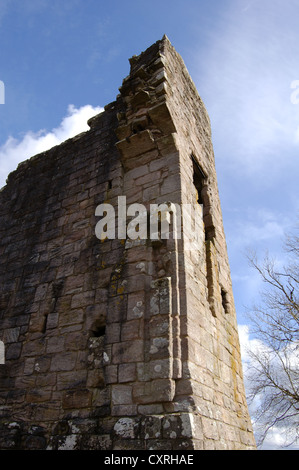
{"x":98,"y":332}
{"x":199,"y":178}
{"x":225,"y":301}
{"x":44,"y":327}
{"x":200,"y":182}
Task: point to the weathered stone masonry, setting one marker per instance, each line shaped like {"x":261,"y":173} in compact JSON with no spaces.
{"x":121,"y":344}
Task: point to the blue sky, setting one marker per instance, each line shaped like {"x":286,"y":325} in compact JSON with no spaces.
{"x":61,"y":61}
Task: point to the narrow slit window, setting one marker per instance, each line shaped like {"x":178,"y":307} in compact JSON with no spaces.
{"x":198,"y":180}
{"x":44,"y":327}
{"x":225,"y":301}
{"x":200,"y":183}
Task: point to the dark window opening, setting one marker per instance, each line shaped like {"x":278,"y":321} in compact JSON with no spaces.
{"x":225,"y":302}
{"x":110,"y":184}
{"x":199,"y":178}
{"x":44,"y":327}
{"x":98,"y":332}
{"x":57,"y":288}
{"x":200,"y":183}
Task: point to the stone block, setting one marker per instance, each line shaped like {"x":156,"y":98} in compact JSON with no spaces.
{"x":121,"y":395}
{"x":13,"y":351}
{"x":11,"y":335}
{"x":136,"y":144}
{"x":170,"y":185}
{"x":124,"y":410}
{"x":156,"y":391}
{"x":159,"y":326}
{"x":210,"y":430}
{"x":152,"y":409}
{"x":95,"y":379}
{"x":46,"y":380}
{"x":126,"y":428}
{"x":148,"y":179}
{"x":38,"y":396}
{"x":130,"y":330}
{"x":151,"y":427}
{"x":76,"y":399}
{"x":136,"y":305}
{"x":135,"y":173}
{"x":160,"y":368}
{"x":151,"y":193}
{"x":117,"y":309}
{"x":52,"y":320}
{"x":64,"y":361}
{"x":127,"y":351}
{"x":95,"y":442}
{"x":127,"y":373}
{"x":161,"y":117}
{"x":55,"y":345}
{"x":34,"y":348}
{"x":111,"y":374}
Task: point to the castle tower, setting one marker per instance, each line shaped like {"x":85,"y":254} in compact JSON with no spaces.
{"x":117,"y":311}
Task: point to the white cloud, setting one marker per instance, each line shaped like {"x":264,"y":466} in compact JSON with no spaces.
{"x":248,"y":344}
{"x":257,"y":227}
{"x":15,"y":151}
{"x":276,"y":440}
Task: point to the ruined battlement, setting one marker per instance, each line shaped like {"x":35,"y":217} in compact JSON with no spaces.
{"x":117,"y":336}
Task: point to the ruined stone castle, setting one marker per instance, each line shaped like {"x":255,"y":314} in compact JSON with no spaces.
{"x":121,"y":342}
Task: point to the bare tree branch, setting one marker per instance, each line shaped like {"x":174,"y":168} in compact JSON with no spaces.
{"x":273,"y":374}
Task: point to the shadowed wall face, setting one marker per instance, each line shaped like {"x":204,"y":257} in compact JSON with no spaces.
{"x":130,"y":341}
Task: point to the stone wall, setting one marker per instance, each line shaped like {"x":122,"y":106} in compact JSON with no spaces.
{"x":121,"y":343}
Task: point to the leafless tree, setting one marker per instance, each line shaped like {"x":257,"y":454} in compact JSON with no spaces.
{"x":273,"y":375}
